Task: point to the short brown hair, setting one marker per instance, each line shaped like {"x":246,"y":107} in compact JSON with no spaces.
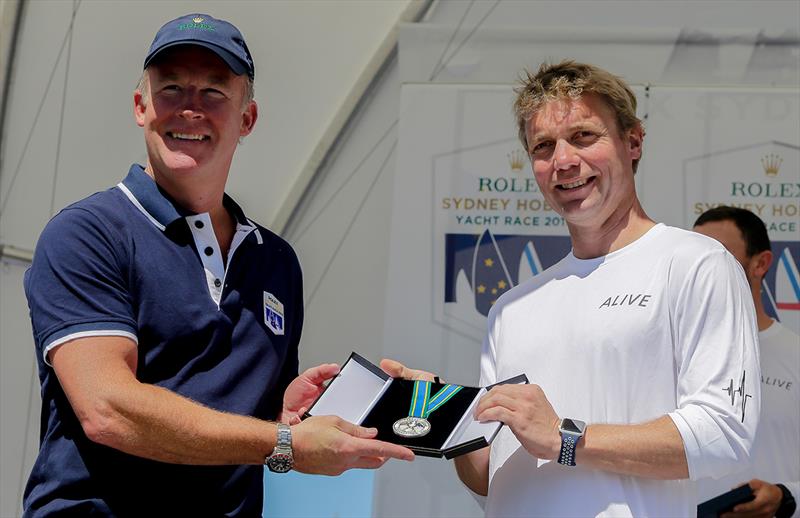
{"x":569,"y":79}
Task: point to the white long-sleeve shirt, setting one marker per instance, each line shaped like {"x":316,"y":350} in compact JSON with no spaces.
{"x":776,"y":451}
{"x":663,"y":326}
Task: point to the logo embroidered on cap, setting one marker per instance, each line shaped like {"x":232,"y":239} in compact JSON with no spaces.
{"x":273,"y":313}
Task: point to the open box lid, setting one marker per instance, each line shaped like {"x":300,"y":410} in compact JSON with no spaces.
{"x":363,"y":394}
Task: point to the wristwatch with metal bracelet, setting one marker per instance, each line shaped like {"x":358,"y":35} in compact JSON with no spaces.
{"x":571,"y":431}
{"x":281,"y":459}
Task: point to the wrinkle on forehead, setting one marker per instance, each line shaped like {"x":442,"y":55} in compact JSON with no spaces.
{"x":564,"y":112}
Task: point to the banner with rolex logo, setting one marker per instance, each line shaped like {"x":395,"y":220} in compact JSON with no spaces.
{"x":730,"y":146}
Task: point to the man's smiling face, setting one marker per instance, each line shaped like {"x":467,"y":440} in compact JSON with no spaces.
{"x":193,"y":113}
{"x":581,"y":161}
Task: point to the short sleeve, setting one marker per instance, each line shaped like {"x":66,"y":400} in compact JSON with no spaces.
{"x":78,"y":283}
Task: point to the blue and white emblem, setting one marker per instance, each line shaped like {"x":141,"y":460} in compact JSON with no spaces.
{"x":273,"y":313}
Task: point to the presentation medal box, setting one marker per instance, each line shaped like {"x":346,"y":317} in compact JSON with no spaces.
{"x":431,"y":419}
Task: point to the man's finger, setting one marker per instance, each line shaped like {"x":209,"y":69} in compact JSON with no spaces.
{"x":373,"y":448}
{"x":321,"y":373}
{"x":495,"y":413}
{"x":355,"y":430}
{"x":393,"y":368}
{"x":369,"y":462}
{"x":396,"y":369}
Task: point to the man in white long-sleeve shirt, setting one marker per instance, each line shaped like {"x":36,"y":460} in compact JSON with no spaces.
{"x":644,"y":332}
{"x":774,"y":474}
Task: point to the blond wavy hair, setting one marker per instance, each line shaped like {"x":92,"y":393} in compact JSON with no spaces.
{"x":569,"y":80}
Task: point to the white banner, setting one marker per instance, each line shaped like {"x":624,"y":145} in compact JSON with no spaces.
{"x":738,"y":147}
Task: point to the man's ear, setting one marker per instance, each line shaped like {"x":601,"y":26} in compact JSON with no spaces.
{"x":760,"y":263}
{"x":139,"y":108}
{"x":635,"y":140}
{"x":249,"y":117}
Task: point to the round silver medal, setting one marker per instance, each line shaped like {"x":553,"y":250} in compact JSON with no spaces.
{"x":411,"y":427}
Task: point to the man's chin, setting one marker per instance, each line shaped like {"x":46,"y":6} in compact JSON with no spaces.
{"x":182,"y":162}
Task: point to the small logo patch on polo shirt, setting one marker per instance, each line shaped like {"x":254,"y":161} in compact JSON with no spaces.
{"x":273,"y":313}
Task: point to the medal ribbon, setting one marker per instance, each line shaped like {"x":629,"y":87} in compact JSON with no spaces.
{"x":423,"y":405}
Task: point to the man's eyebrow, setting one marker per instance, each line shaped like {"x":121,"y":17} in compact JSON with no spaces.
{"x":216,"y":80}
{"x":576,"y":126}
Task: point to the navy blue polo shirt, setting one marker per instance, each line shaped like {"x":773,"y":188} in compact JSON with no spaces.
{"x":130,"y":262}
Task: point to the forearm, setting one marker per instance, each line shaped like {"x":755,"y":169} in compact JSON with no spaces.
{"x":473,"y":470}
{"x":650,"y":450}
{"x":155,"y":423}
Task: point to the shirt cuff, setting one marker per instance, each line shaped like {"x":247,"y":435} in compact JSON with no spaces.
{"x":75,"y":332}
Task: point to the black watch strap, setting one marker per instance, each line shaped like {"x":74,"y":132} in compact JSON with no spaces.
{"x":788,"y":503}
{"x":568,"y":444}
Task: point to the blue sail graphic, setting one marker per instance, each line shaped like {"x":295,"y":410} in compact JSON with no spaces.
{"x":529,"y":263}
{"x":787,"y":282}
{"x":490,"y":277}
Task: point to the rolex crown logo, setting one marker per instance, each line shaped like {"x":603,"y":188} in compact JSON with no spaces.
{"x":197,"y":19}
{"x":771,"y":164}
{"x":516,"y":160}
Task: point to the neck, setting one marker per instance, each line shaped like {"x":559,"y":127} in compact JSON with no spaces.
{"x":618,"y":231}
{"x":762,"y":319}
{"x":200,"y":197}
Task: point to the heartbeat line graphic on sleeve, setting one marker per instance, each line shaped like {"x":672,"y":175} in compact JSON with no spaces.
{"x":740,"y":391}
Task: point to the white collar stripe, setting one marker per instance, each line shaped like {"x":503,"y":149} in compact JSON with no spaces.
{"x":138,"y":205}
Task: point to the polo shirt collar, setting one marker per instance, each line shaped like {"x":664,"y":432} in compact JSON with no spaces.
{"x":159,"y":207}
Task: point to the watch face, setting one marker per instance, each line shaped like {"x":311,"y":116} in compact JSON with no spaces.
{"x":280,"y":462}
{"x":574,"y":426}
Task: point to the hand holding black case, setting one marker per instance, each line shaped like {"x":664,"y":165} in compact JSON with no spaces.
{"x":725,"y":502}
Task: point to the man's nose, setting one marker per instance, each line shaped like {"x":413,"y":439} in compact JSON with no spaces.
{"x":564,"y":156}
{"x":191,"y":107}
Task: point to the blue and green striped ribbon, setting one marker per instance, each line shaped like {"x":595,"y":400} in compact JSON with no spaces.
{"x":423,"y":405}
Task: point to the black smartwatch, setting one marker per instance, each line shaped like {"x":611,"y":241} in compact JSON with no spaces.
{"x":788,"y":504}
{"x":571,"y":431}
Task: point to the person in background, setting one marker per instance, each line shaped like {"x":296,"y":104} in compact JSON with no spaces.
{"x":774,"y":474}
{"x":167,"y":323}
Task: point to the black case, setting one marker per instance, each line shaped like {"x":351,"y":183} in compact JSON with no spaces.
{"x":363,"y":394}
{"x":725,"y":502}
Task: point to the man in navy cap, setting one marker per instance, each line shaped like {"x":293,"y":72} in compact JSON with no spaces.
{"x":167,"y":323}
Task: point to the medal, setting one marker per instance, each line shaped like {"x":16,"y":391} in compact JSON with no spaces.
{"x":423,"y":405}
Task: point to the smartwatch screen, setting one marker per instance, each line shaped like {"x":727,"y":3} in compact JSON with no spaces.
{"x":568,"y":425}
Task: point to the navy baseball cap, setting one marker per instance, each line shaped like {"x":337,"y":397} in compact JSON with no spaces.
{"x":219,"y":36}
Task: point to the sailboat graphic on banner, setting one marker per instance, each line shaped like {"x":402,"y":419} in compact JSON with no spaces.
{"x":787,"y":282}
{"x":490,"y":277}
{"x":529,"y":263}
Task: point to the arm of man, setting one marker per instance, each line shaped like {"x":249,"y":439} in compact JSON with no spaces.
{"x":652,"y":450}
{"x":473,"y":470}
{"x":116,"y":410}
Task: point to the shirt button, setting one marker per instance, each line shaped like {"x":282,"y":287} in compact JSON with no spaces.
{"x":209,"y":250}
{"x":217,"y":283}
{"x":198,"y":224}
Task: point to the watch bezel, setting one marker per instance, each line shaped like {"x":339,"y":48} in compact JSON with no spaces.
{"x":280,"y":462}
{"x":580,"y":425}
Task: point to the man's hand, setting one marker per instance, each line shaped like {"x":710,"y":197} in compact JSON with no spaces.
{"x":529,"y":415}
{"x":329,"y":445}
{"x":396,"y":369}
{"x":768,"y":499}
{"x":304,"y":390}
